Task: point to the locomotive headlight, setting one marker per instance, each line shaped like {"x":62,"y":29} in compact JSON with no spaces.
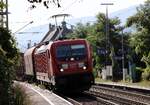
{"x":72,"y":59}
{"x":61,"y":70}
{"x":84,"y":67}
{"x":64,"y":66}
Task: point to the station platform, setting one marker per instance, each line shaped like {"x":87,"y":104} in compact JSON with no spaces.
{"x":125,"y":85}
{"x":39,"y":96}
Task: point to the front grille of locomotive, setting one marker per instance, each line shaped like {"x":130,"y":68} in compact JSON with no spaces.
{"x":75,"y":81}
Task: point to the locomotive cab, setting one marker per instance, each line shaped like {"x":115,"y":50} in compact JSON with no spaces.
{"x":73,"y":65}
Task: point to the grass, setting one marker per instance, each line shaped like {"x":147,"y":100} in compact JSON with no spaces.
{"x":41,"y":86}
{"x":20,"y":96}
{"x":141,"y":83}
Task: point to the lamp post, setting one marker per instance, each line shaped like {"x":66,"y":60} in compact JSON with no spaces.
{"x":122,"y":47}
{"x":107,"y":31}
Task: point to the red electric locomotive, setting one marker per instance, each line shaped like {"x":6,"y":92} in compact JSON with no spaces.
{"x":64,"y":64}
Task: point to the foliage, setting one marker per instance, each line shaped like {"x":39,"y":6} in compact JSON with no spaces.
{"x":137,"y":73}
{"x":81,"y":31}
{"x":8,"y":44}
{"x":8,"y":60}
{"x":140,"y":42}
{"x":96,"y":34}
{"x":141,"y":38}
{"x":113,"y":41}
{"x":95,"y":73}
{"x":146,"y":74}
{"x":20,"y":97}
{"x":141,"y":18}
{"x":4,"y":81}
{"x":146,"y":59}
{"x":44,"y":2}
{"x":2,"y":5}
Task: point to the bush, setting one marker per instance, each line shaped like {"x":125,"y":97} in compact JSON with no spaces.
{"x":5,"y":79}
{"x":136,"y":73}
{"x":95,"y":73}
{"x":128,"y":78}
{"x":146,"y":74}
{"x":8,"y":60}
{"x":20,"y":97}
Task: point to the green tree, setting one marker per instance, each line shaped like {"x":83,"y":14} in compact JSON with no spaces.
{"x":141,"y":22}
{"x":141,"y":38}
{"x":114,"y":40}
{"x":8,"y":59}
{"x":80,"y":31}
{"x":141,"y":19}
{"x":2,"y":5}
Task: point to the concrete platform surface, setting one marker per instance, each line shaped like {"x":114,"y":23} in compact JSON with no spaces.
{"x":40,"y":96}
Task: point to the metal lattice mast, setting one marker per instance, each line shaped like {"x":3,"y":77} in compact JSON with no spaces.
{"x":4,"y":14}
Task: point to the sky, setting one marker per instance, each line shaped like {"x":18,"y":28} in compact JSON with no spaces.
{"x":21,"y":14}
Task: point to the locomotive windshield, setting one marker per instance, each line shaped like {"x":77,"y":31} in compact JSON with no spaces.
{"x":65,"y":52}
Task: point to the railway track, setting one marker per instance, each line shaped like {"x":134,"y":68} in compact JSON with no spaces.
{"x":87,"y":99}
{"x":120,"y":96}
{"x":99,"y":95}
{"x":136,"y":89}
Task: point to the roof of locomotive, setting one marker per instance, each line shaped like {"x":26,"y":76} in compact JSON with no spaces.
{"x":29,"y":61}
{"x":43,"y":48}
{"x":69,"y":40}
{"x":29,"y":51}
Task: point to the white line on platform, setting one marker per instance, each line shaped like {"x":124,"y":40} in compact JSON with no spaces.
{"x":29,"y":86}
{"x":43,"y":96}
{"x":61,"y":98}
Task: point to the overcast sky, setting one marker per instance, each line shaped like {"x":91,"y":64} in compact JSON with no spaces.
{"x":20,"y":14}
